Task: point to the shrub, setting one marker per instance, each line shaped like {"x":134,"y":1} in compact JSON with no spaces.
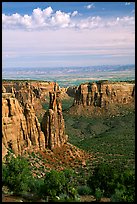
{"x":125,"y":190}
{"x":16,"y":173}
{"x":103,"y":178}
{"x":98,"y":194}
{"x":36,"y":186}
{"x":84,"y":190}
{"x":59,"y":184}
{"x":114,"y":182}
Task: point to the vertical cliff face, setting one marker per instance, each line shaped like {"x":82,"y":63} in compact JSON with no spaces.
{"x":53,"y":123}
{"x":20,"y":127}
{"x":103,"y":93}
{"x":32,"y":92}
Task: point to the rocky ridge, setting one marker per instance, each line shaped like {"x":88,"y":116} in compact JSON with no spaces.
{"x":32,"y":92}
{"x":21,"y":129}
{"x":101,"y":94}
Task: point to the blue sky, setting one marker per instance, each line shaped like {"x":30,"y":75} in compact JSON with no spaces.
{"x":50,"y":34}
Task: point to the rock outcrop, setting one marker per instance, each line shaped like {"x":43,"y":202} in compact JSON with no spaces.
{"x":39,"y":89}
{"x":20,"y":127}
{"x":32,"y":92}
{"x":3,"y":89}
{"x":53,"y":123}
{"x":102,"y":94}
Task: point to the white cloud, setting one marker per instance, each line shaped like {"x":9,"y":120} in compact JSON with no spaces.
{"x":74,"y":13}
{"x":40,"y":19}
{"x":26,"y":21}
{"x":48,"y":11}
{"x":75,"y":38}
{"x":48,"y":19}
{"x":125,"y":21}
{"x":90,"y":23}
{"x":61,"y":19}
{"x":90,"y":6}
{"x":127,"y":3}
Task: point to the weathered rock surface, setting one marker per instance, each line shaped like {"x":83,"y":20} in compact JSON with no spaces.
{"x":53,"y":123}
{"x":20,"y":127}
{"x":32,"y":92}
{"x":102,"y":94}
{"x":3,"y":89}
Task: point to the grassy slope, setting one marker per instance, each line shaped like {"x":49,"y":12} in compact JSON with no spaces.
{"x":109,"y":138}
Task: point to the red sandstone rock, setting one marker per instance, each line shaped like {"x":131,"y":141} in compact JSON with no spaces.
{"x":103,"y":93}
{"x":20,"y":127}
{"x":33,"y":92}
{"x":53,"y":123}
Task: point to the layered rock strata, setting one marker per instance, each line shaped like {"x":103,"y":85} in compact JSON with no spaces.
{"x":53,"y":123}
{"x":102,"y":94}
{"x":39,"y":89}
{"x":32,"y":92}
{"x":20,"y":127}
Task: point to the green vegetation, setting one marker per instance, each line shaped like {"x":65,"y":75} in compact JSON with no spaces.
{"x":66,"y":104}
{"x":54,"y":186}
{"x":113,"y":181}
{"x":84,"y":190}
{"x":45,"y":105}
{"x":60,"y":185}
{"x":16,"y":174}
{"x":108,"y":138}
{"x":112,"y":142}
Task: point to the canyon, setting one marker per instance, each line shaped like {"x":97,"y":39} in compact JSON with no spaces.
{"x":21,"y":129}
{"x":21,"y":101}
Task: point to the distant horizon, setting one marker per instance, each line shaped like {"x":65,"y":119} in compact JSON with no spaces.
{"x":56,"y":34}
{"x":71,"y":76}
{"x":70,"y":66}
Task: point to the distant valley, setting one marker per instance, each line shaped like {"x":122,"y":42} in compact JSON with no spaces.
{"x":72,"y":76}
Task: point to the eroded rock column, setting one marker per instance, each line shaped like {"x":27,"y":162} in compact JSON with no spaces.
{"x":53,"y":123}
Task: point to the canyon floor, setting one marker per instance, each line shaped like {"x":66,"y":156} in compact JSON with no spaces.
{"x":94,"y":137}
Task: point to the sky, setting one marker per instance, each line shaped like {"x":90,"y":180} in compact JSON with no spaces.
{"x":64,"y":34}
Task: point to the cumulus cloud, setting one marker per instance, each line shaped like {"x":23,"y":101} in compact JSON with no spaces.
{"x":48,"y":19}
{"x":123,"y":21}
{"x":90,"y":23}
{"x":74,"y":13}
{"x":90,"y":6}
{"x":61,"y":19}
{"x":48,"y":11}
{"x":45,"y":18}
